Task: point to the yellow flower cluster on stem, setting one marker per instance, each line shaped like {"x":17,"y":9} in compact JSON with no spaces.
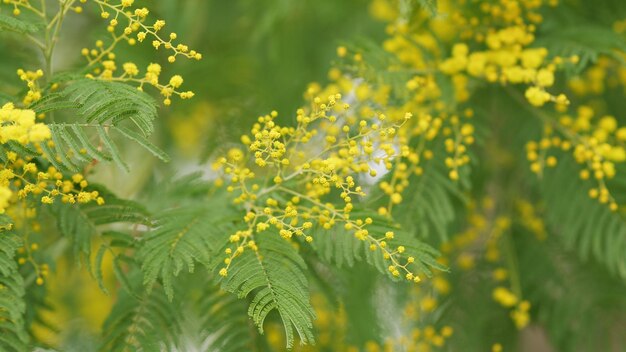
{"x":22,"y":177}
{"x":21,"y":126}
{"x":499,"y":48}
{"x":34,"y":90}
{"x":595,"y":143}
{"x":130,"y":25}
{"x":126,"y":23}
{"x":300,"y":171}
{"x":498,"y":45}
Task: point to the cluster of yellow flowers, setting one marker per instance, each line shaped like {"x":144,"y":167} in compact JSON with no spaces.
{"x":433,"y":119}
{"x":590,"y":133}
{"x":606,"y":74}
{"x":47,"y":185}
{"x":126,"y":23}
{"x":498,"y":47}
{"x":595,"y":142}
{"x":326,"y":154}
{"x":21,"y":126}
{"x":135,"y":28}
{"x":508,"y":299}
{"x":508,"y":60}
{"x":23,"y":174}
{"x":34,"y":90}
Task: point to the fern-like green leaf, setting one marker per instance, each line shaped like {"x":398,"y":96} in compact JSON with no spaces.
{"x":18,"y":25}
{"x":551,"y":276}
{"x":143,"y":142}
{"x":109,"y":144}
{"x":222,"y":320}
{"x":340,"y":246}
{"x":181,"y":238}
{"x":274,"y":277}
{"x":106,"y":109}
{"x":13,"y":336}
{"x":112,"y":103}
{"x":428,"y":208}
{"x":141,"y":321}
{"x":585,"y":226}
{"x":587,"y":41}
{"x":80,"y":222}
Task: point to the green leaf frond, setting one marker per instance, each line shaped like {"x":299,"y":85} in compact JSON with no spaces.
{"x":141,"y":320}
{"x":341,"y":247}
{"x":13,"y":336}
{"x":81,"y":223}
{"x":106,"y":109}
{"x":181,"y":238}
{"x":274,"y":278}
{"x":218,"y":318}
{"x":18,"y":25}
{"x":572,"y":34}
{"x":588,"y":228}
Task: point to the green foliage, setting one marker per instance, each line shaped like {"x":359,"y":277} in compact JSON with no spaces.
{"x":13,"y":24}
{"x":571,"y":33}
{"x":104,"y":108}
{"x":181,"y":238}
{"x":588,"y":41}
{"x":599,"y":234}
{"x":564,"y":289}
{"x":339,"y":246}
{"x":430,"y":208}
{"x":274,"y":277}
{"x":13,"y":336}
{"x":141,"y":320}
{"x":223,"y":320}
{"x":167,"y":245}
{"x":81,"y":223}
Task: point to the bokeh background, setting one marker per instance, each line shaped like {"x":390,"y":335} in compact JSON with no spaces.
{"x":259,"y":56}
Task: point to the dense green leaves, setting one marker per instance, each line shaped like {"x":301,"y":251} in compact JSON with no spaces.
{"x":110,"y":103}
{"x":564,"y":289}
{"x":429,"y":207}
